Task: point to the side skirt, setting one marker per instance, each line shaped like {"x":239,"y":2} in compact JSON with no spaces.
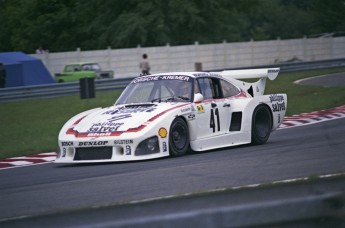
{"x":226,"y":140}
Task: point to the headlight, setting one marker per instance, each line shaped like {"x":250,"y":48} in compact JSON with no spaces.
{"x":148,"y":146}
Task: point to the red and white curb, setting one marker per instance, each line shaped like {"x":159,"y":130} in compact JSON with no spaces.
{"x":288,"y":122}
{"x":27,"y":160}
{"x":313,"y":117}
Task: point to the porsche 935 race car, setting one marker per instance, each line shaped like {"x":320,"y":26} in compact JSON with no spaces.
{"x":170,"y":114}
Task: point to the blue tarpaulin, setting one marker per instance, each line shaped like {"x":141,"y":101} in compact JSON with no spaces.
{"x":23,"y":70}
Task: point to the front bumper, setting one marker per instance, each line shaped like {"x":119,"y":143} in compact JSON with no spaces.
{"x":99,"y":150}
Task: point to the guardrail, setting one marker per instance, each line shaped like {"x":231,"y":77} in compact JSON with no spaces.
{"x":58,"y":89}
{"x":61,"y":89}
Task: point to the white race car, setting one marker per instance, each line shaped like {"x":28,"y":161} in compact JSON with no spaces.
{"x":170,"y":114}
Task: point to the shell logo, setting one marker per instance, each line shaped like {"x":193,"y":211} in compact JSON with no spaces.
{"x":162,"y":132}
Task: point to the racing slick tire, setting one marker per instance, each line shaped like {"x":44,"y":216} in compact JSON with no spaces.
{"x":261,"y":125}
{"x":178,"y":138}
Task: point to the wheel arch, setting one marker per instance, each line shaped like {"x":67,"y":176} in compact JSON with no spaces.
{"x":188,"y":123}
{"x":183,"y":118}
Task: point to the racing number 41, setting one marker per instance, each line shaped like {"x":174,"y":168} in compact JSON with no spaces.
{"x":213,"y":123}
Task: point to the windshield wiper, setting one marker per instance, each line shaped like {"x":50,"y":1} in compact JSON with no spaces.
{"x":178,"y":98}
{"x":170,"y":98}
{"x":175,"y":98}
{"x":156,"y":99}
{"x":183,"y":98}
{"x":160,"y":99}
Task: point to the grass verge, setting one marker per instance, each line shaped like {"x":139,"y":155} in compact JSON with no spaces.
{"x":32,"y":126}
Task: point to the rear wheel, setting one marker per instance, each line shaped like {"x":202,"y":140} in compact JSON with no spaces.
{"x":178,"y":138}
{"x":261,"y":125}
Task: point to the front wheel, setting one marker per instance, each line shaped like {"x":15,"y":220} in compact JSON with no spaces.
{"x":261,"y":125}
{"x":178,"y":138}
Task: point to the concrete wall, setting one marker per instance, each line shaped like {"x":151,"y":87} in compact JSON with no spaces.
{"x":125,"y":62}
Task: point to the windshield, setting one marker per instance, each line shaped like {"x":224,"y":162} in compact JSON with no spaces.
{"x":91,"y":66}
{"x":157,"y":89}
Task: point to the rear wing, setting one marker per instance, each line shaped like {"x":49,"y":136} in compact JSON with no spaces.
{"x":256,"y":88}
{"x":270,"y":73}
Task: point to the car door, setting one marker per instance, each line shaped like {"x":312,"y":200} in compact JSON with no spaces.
{"x":213,"y":113}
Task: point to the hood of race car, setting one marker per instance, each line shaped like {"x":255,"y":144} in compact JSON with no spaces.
{"x":122,"y":118}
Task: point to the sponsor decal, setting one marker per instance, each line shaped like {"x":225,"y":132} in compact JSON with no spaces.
{"x":273,"y":71}
{"x":188,"y":109}
{"x":124,"y":141}
{"x":105,"y":127}
{"x":64,"y":152}
{"x":276,"y":97}
{"x":200,"y":108}
{"x":175,"y":77}
{"x":145,"y":79}
{"x":278,"y":107}
{"x":165,"y":148}
{"x":129,"y":109}
{"x":98,"y":134}
{"x":97,"y":143}
{"x":191,"y":116}
{"x":204,"y":74}
{"x":163,"y":132}
{"x":279,"y":118}
{"x":128,"y":150}
{"x":72,"y":131}
{"x":69,"y":143}
{"x":120,"y":117}
{"x":161,"y":77}
{"x":278,"y":102}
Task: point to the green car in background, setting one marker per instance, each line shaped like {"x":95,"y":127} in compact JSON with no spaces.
{"x":74,"y":72}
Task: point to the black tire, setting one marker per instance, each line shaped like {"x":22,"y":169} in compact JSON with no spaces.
{"x":261,"y":125}
{"x":178,"y":138}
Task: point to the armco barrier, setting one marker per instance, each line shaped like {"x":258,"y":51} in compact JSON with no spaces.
{"x":60,"y":89}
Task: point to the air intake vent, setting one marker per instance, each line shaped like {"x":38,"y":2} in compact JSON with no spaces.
{"x":250,"y":91}
{"x":93,"y":153}
{"x":236,"y":121}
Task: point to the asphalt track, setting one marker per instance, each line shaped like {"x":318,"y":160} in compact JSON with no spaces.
{"x":332,"y":80}
{"x":303,"y":151}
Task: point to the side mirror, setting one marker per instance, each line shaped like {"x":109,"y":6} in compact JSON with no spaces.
{"x":198,"y":97}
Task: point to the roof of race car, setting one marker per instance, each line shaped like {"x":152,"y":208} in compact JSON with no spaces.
{"x":190,"y":74}
{"x":270,"y":73}
{"x":184,"y":76}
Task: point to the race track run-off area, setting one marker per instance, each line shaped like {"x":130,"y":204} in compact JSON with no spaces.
{"x":290,"y":121}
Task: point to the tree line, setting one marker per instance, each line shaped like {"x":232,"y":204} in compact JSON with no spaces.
{"x":64,"y":25}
